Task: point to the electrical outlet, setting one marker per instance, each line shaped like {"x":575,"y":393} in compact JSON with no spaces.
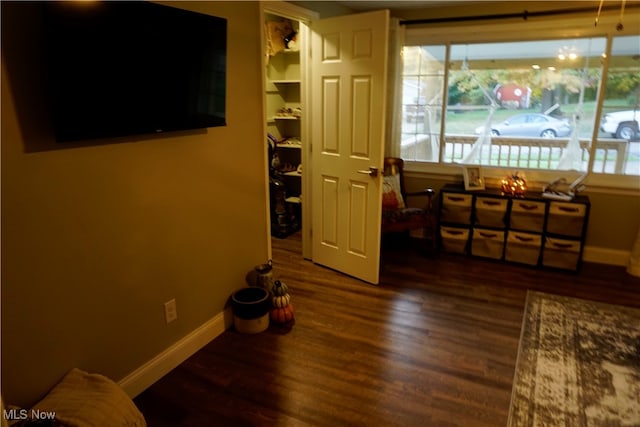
{"x":170,"y":311}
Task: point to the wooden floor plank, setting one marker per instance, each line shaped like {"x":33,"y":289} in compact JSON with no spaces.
{"x":434,"y":344}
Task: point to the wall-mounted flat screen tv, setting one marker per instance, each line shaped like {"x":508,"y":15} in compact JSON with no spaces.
{"x":128,"y":68}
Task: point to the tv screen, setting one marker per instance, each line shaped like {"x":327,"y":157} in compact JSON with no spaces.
{"x":128,"y":68}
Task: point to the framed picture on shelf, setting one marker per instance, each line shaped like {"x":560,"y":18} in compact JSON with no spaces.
{"x":473,"y":177}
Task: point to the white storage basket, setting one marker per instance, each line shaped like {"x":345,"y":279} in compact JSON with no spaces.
{"x":561,"y":253}
{"x":454,"y":240}
{"x":456,"y":208}
{"x":527,"y":215}
{"x":487,"y":243}
{"x":566,"y":219}
{"x":523,"y":247}
{"x":490,"y":212}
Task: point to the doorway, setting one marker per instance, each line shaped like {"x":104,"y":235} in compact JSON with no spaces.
{"x":336,"y":189}
{"x":285,"y":68}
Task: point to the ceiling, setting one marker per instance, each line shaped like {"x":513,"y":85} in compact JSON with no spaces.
{"x":397,"y":5}
{"x":401,"y":8}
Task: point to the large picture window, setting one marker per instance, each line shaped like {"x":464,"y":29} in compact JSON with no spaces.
{"x":524,"y":105}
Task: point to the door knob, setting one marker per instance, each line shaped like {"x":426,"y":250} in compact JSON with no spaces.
{"x":373,"y":172}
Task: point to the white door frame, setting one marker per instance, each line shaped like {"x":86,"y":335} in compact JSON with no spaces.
{"x":304,"y":16}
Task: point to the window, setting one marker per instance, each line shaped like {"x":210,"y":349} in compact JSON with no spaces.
{"x":621,"y":105}
{"x":422,"y":90}
{"x":524,"y":104}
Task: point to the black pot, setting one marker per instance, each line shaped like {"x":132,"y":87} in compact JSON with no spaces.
{"x":251,"y":303}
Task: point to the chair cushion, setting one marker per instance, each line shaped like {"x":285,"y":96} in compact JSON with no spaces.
{"x":403,"y":215}
{"x":391,"y":194}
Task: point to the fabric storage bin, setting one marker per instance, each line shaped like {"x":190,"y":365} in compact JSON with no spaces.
{"x":566,"y":218}
{"x":561,"y":253}
{"x":490,"y":212}
{"x":527,"y":215}
{"x":454,"y":239}
{"x":487,"y":243}
{"x":523,"y":247}
{"x":456,"y":208}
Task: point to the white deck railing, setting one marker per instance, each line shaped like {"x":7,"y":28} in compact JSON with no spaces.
{"x":535,"y":153}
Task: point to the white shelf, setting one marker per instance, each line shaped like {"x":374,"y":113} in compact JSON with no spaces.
{"x":285,"y":81}
{"x":284,"y":89}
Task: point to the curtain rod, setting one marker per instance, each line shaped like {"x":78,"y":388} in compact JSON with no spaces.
{"x":525,"y":14}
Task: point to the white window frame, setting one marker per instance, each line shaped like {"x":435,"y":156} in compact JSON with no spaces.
{"x":552,"y":27}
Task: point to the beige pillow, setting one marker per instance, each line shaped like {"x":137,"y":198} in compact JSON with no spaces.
{"x":391,"y":195}
{"x":82,"y":400}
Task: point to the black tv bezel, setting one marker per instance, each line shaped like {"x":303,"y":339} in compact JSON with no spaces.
{"x":61,"y":100}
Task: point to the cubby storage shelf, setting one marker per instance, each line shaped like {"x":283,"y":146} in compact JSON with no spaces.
{"x":528,"y":230}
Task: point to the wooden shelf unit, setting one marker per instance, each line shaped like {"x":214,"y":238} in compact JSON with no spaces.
{"x":528,"y":230}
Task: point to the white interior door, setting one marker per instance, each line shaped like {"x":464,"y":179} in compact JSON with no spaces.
{"x":348,"y":98}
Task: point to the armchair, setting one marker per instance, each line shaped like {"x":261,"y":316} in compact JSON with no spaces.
{"x":397,"y":216}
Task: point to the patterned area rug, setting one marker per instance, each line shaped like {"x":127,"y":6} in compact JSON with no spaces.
{"x":578,"y":364}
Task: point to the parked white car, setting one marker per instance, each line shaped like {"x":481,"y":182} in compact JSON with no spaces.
{"x":621,"y":124}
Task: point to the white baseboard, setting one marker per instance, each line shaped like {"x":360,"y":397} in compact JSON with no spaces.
{"x":606,"y":256}
{"x":144,"y":376}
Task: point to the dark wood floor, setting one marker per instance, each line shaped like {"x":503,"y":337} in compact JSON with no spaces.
{"x":435,"y":344}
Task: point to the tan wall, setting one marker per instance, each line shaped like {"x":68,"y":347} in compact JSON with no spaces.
{"x":614,"y":221}
{"x":96,"y":238}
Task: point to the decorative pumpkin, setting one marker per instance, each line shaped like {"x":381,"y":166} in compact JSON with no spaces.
{"x":282,"y":314}
{"x":281,"y":301}
{"x":514,"y":185}
{"x":279,"y":288}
